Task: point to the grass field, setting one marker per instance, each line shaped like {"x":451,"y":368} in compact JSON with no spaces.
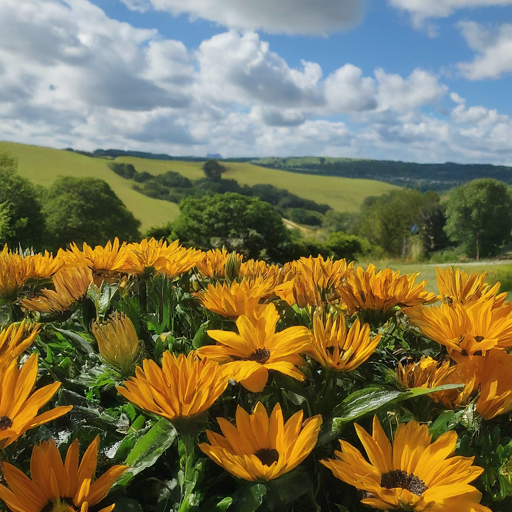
{"x":342,"y":194}
{"x":497,"y":270}
{"x":43,"y":165}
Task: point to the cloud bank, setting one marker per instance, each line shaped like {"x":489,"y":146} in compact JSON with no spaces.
{"x":72,"y":76}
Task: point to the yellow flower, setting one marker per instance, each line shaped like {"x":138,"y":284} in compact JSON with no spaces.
{"x":118,"y":342}
{"x":70,"y":283}
{"x":259,"y":447}
{"x":475,"y":328}
{"x":496,"y":388}
{"x":17,"y":270}
{"x":212,"y":263}
{"x":58,"y":486}
{"x":15,"y":340}
{"x":105,"y":263}
{"x":365,"y":290}
{"x":235,"y":299}
{"x":180,"y":260}
{"x":412,"y":474}
{"x":183,"y":388}
{"x":13,"y":274}
{"x":429,"y":373}
{"x":248,"y":356}
{"x":457,"y":286}
{"x":335,"y":348}
{"x":311,"y":281}
{"x":19,"y":406}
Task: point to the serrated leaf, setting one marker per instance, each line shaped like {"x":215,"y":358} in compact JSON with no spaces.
{"x":86,"y":346}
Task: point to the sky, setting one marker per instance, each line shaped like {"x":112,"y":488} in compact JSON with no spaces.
{"x":410,"y":80}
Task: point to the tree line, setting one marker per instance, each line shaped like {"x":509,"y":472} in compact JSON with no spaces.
{"x":476,"y":217}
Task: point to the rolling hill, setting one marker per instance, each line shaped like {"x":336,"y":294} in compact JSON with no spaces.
{"x":43,"y":165}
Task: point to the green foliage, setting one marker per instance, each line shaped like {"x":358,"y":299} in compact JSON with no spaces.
{"x":346,"y":246}
{"x":213,"y":170}
{"x":479,"y":216}
{"x":21,"y":218}
{"x":308,"y":217}
{"x":237,"y":222}
{"x":124,"y":170}
{"x":390,"y":220}
{"x":87,"y":210}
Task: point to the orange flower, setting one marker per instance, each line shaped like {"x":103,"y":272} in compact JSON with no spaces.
{"x":15,"y":340}
{"x":457,"y":286}
{"x":336,"y":349}
{"x":365,"y":290}
{"x":248,"y":356}
{"x":58,"y":486}
{"x":212,"y":263}
{"x":19,"y":405}
{"x":468,"y":330}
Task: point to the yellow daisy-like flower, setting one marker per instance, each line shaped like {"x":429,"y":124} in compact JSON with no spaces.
{"x":183,"y":388}
{"x":457,"y":286}
{"x":118,"y":342}
{"x":496,"y":387}
{"x":71,"y":284}
{"x":235,"y":299}
{"x":19,"y":406}
{"x":212,"y":263}
{"x":15,"y":340}
{"x":311,"y":281}
{"x":13,"y":274}
{"x":369,"y":290}
{"x":105,"y":263}
{"x":259,"y":447}
{"x":41,"y":266}
{"x":413,"y":474}
{"x":429,"y":373}
{"x":180,"y":260}
{"x":468,"y":330}
{"x":58,"y":486}
{"x":335,"y":348}
{"x":248,"y":356}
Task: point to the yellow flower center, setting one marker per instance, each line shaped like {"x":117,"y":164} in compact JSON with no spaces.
{"x":261,"y":355}
{"x":5,"y":422}
{"x":401,"y":479}
{"x":267,"y":456}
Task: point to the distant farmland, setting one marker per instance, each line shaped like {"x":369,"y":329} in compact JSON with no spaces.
{"x":43,"y":165}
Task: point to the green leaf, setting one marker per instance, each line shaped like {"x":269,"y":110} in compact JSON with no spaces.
{"x":223,"y":505}
{"x":124,"y":504}
{"x":86,"y":346}
{"x":288,"y":488}
{"x":249,"y":498}
{"x":148,"y":449}
{"x":368,"y":400}
{"x":201,"y":337}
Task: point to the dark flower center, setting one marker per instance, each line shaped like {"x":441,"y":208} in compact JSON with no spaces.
{"x":267,"y":456}
{"x":403,"y":480}
{"x":478,"y":339}
{"x":261,"y":355}
{"x":5,"y":422}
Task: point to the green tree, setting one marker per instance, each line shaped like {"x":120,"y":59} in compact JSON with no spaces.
{"x":213,"y":170}
{"x":479,"y":216}
{"x":390,"y":220}
{"x":347,"y":246}
{"x":237,"y":222}
{"x":22,"y":219}
{"x":87,"y":210}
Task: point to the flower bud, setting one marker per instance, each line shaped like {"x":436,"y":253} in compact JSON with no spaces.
{"x":232,"y":266}
{"x":118,"y":342}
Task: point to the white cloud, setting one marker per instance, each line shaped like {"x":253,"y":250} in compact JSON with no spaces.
{"x":70,"y":76}
{"x":403,"y":95}
{"x":421,"y":10}
{"x":274,"y":16}
{"x":494,"y":47}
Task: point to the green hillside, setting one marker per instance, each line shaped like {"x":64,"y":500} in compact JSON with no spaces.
{"x":43,"y":165}
{"x":342,"y":194}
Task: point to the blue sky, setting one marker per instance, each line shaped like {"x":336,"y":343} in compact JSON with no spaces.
{"x":418,"y":80}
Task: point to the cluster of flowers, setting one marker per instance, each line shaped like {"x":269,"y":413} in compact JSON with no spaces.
{"x":345,"y":306}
